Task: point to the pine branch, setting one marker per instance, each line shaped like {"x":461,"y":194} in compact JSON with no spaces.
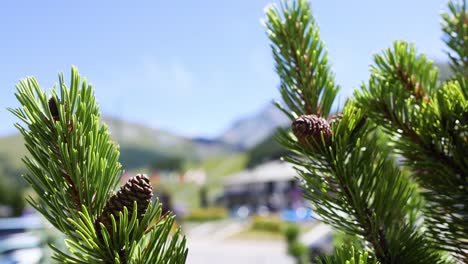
{"x":348,"y":256}
{"x":369,"y":196}
{"x":348,"y":171}
{"x":306,"y":82}
{"x":74,"y":168}
{"x":455,"y":27}
{"x":429,"y":133}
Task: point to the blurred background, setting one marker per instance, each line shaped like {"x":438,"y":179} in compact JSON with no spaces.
{"x":185,"y":88}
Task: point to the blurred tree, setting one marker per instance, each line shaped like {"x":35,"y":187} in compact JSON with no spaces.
{"x":165,"y":200}
{"x":11,"y":195}
{"x":135,"y":157}
{"x":17,"y":202}
{"x":296,"y":248}
{"x":168,"y":164}
{"x":203,"y":193}
{"x":11,"y":190}
{"x":391,"y":169}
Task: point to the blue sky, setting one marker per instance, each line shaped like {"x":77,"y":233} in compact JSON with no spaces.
{"x":191,"y":67}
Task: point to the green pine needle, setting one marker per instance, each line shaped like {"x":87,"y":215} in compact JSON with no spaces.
{"x":73,"y":167}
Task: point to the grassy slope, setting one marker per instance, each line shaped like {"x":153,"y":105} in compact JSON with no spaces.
{"x":216,"y":169}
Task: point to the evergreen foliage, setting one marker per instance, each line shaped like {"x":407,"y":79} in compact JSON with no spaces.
{"x":391,"y":169}
{"x":73,"y":167}
{"x":347,"y":256}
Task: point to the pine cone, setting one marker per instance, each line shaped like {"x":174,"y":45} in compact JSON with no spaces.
{"x":54,"y":109}
{"x":308,"y":127}
{"x":137,"y":189}
{"x":55,"y":113}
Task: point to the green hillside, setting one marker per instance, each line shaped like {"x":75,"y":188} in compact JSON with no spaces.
{"x":11,"y":168}
{"x":268,"y":149}
{"x":11,"y":149}
{"x":140,"y":146}
{"x":216,"y":169}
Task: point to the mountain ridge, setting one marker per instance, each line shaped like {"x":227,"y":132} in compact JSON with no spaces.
{"x":249,"y":131}
{"x":141,"y":145}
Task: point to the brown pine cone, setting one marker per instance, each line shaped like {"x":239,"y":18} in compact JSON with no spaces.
{"x":308,"y":127}
{"x":54,"y":109}
{"x":137,"y":189}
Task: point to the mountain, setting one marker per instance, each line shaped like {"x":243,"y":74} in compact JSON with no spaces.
{"x":139,"y":146}
{"x":142,"y":146}
{"x":133,"y":135}
{"x":248,"y":132}
{"x":445,"y":72}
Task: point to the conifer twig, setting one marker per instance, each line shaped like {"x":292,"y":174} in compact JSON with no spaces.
{"x":74,"y":168}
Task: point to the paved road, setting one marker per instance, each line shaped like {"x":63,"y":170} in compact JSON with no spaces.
{"x":209,"y":243}
{"x":320,"y":232}
{"x":237,"y":252}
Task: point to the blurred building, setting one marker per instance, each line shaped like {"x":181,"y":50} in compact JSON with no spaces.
{"x":196,"y":176}
{"x":271,"y":186}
